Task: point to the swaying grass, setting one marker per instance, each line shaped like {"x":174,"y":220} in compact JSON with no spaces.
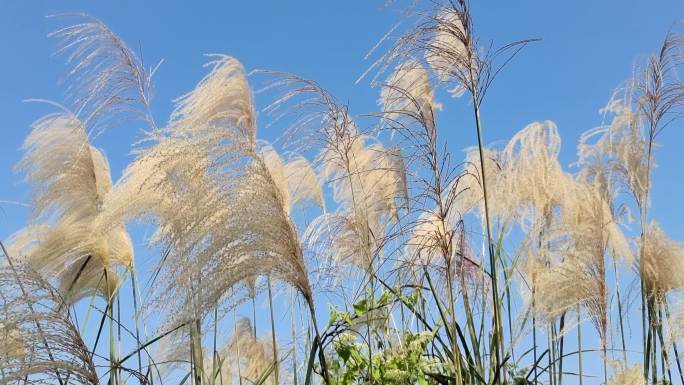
{"x":443,"y":271}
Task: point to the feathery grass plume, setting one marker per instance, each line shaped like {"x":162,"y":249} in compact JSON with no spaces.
{"x":661,"y":92}
{"x":615,"y":155}
{"x":252,"y":355}
{"x":633,"y":375}
{"x":408,"y":108}
{"x":172,"y":352}
{"x":295,"y":179}
{"x":408,"y":93}
{"x":449,"y":52}
{"x":217,"y":370}
{"x":663,"y":262}
{"x":222,"y":216}
{"x":70,"y":181}
{"x":534,"y":175}
{"x":368,"y":180}
{"x":466,"y":191}
{"x":74,"y":178}
{"x":108,"y":79}
{"x":302,"y":182}
{"x":526,"y":178}
{"x":222,"y":97}
{"x":41,"y":344}
{"x":13,"y":347}
{"x":623,"y":150}
{"x":433,"y":238}
{"x":369,"y":186}
{"x":443,"y":37}
{"x":583,"y":235}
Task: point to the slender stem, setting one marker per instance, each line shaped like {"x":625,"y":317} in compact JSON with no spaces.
{"x":238,"y":349}
{"x":215,"y":352}
{"x":319,"y":341}
{"x":561,"y":328}
{"x":369,"y":325}
{"x":134,"y":287}
{"x":452,"y":316}
{"x":112,"y":353}
{"x":492,"y":259}
{"x":552,"y":356}
{"x":273,"y":333}
{"x":605,"y":361}
{"x":579,"y":345}
{"x":196,"y":350}
{"x":294,"y":338}
{"x":534,"y":337}
{"x":254,"y":320}
{"x":620,"y":313}
{"x":665,"y":362}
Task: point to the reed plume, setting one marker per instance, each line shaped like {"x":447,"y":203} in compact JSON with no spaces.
{"x":71,"y":181}
{"x":199,"y":175}
{"x":663,"y":262}
{"x":585,"y":233}
{"x":108,"y":82}
{"x":250,"y":354}
{"x":629,"y":376}
{"x":41,"y":345}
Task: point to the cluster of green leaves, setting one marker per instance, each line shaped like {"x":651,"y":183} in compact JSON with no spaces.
{"x":402,"y":359}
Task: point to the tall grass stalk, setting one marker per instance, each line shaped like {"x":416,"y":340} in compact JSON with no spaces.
{"x":273,"y":333}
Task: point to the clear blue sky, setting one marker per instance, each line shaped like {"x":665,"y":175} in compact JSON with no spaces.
{"x":588,"y":48}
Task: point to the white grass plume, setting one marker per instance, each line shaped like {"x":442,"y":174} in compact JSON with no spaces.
{"x":583,"y":233}
{"x":295,"y":179}
{"x":70,"y":181}
{"x":369,"y":186}
{"x":253,"y":355}
{"x":44,"y":345}
{"x":615,"y":154}
{"x":222,"y":214}
{"x":408,"y":93}
{"x":633,"y":375}
{"x":450,"y":52}
{"x":108,"y":79}
{"x":662,"y":264}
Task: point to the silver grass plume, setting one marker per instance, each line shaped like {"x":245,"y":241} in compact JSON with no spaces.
{"x":615,"y":155}
{"x":663,"y":262}
{"x":248,"y":355}
{"x":583,"y":233}
{"x":222,"y":216}
{"x":369,"y":182}
{"x":569,"y":226}
{"x":526,"y":177}
{"x":450,"y":52}
{"x":435,"y":242}
{"x":534,"y":174}
{"x":443,"y":37}
{"x":633,"y":375}
{"x":40,"y":344}
{"x":295,"y":178}
{"x":369,"y":186}
{"x":408,"y":93}
{"x":70,"y":181}
{"x":172,"y":352}
{"x":108,"y":80}
{"x":437,"y":239}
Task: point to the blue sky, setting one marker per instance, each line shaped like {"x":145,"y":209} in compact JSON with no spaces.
{"x":588,"y":48}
